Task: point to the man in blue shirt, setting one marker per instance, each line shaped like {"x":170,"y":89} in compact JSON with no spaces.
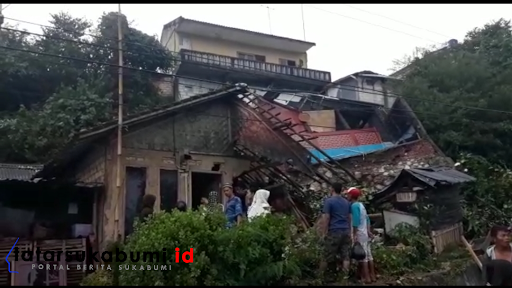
{"x":336,"y":230}
{"x":233,"y":209}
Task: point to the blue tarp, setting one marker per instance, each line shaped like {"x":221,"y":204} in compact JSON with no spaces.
{"x":346,"y":152}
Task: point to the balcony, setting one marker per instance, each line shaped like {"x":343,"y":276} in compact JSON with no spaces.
{"x":253,"y":68}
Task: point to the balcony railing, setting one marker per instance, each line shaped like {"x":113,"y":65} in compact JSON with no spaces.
{"x":237,"y":63}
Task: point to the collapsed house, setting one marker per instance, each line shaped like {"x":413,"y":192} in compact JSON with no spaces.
{"x":355,"y":118}
{"x":184,"y":150}
{"x":181,"y":152}
{"x":425,"y":195}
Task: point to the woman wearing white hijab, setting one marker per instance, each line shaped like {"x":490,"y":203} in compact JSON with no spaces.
{"x":259,"y":206}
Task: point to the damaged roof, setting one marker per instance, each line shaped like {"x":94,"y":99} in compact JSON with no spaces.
{"x":21,"y":172}
{"x":439,"y":175}
{"x":432,"y":176}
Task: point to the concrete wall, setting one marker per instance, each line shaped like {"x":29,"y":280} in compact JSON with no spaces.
{"x":189,"y":87}
{"x":225,"y":48}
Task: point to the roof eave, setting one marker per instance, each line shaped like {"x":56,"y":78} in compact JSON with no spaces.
{"x":194,"y":27}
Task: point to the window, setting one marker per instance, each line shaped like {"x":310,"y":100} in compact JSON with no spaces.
{"x":287,"y":62}
{"x":252,"y":57}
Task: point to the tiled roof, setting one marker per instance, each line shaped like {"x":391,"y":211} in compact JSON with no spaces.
{"x":22,"y":172}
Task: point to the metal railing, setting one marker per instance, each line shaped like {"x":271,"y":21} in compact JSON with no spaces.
{"x":237,"y":63}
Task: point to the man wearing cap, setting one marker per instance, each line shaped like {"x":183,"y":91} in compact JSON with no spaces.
{"x":362,"y":234}
{"x":233,"y":209}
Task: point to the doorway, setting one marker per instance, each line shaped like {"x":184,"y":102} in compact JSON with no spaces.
{"x":202,"y":184}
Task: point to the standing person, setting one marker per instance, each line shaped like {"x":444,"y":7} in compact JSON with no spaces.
{"x":361,"y":233}
{"x":502,"y":249}
{"x":336,"y":230}
{"x":233,"y":209}
{"x":259,"y":206}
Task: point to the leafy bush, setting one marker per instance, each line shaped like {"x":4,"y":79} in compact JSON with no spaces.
{"x":412,"y":254}
{"x":99,"y":278}
{"x":266,"y":251}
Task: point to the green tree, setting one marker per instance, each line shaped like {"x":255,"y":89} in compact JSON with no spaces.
{"x":476,"y":73}
{"x":41,"y":96}
{"x":458,"y":94}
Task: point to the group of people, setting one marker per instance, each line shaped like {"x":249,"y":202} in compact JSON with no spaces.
{"x":257,"y":204}
{"x":344,"y":223}
{"x":497,"y":265}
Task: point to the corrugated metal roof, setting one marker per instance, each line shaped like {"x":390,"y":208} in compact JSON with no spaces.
{"x":22,"y":172}
{"x":440,"y":174}
{"x":429,"y":176}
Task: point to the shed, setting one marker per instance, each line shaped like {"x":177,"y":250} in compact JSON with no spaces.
{"x":438,"y":191}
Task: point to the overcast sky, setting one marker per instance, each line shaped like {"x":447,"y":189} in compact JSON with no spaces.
{"x":348,"y":37}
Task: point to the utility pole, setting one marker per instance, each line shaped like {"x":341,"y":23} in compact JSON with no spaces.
{"x":1,"y":15}
{"x":303,"y":23}
{"x":119,"y":166}
{"x":269,"y":20}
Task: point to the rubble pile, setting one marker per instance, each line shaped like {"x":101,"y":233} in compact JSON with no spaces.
{"x":376,"y":171}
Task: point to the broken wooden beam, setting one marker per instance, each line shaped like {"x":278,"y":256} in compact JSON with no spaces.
{"x":471,"y":252}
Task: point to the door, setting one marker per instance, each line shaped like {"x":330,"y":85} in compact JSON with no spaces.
{"x":135,"y":190}
{"x":168,"y":189}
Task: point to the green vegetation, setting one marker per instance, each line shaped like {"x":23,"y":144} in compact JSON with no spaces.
{"x":45,"y":100}
{"x":265,"y":251}
{"x":456,"y":93}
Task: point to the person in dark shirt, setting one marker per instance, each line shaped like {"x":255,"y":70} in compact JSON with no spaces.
{"x":498,"y":273}
{"x":181,"y":206}
{"x":336,"y":230}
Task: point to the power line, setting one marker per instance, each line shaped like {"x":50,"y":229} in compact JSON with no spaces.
{"x":221,"y":83}
{"x":358,"y":89}
{"x":67,"y":30}
{"x":370,"y":23}
{"x":369,"y":110}
{"x":6,"y":6}
{"x":371,"y":107}
{"x":397,"y":21}
{"x":336,"y":85}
